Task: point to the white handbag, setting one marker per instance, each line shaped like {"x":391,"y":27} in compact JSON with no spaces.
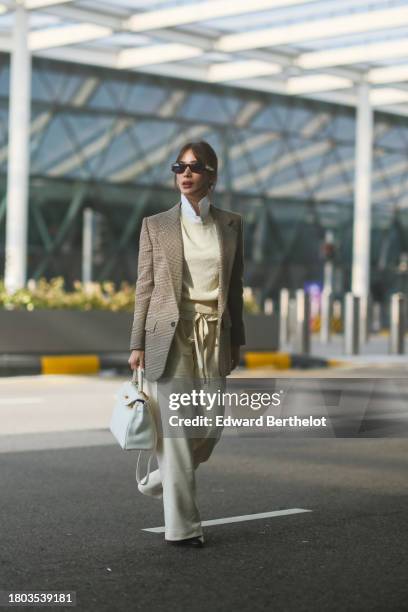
{"x":132,"y":421}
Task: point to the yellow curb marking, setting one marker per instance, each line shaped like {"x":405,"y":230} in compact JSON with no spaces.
{"x":70,"y":364}
{"x":281,"y":361}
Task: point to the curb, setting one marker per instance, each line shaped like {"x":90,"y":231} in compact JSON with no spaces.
{"x":13,"y":365}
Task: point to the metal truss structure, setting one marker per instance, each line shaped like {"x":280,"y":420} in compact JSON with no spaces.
{"x":285,"y":90}
{"x":322,"y":49}
{"x":105,"y":140}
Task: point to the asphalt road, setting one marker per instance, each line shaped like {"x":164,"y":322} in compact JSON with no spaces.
{"x":72,"y":518}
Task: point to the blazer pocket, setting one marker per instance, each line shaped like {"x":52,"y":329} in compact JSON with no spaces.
{"x":150,"y":325}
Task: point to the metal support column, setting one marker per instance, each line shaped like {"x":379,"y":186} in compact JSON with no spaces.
{"x":88,"y":237}
{"x":18,"y":154}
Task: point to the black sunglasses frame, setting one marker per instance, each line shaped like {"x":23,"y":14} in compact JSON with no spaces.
{"x":196,"y":167}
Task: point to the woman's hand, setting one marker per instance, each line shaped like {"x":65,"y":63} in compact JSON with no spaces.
{"x":235,"y":356}
{"x":136,"y":359}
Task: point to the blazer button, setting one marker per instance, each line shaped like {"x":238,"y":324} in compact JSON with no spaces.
{"x":173,"y":323}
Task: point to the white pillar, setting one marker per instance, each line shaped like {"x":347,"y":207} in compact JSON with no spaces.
{"x":18,"y":154}
{"x":360,"y":281}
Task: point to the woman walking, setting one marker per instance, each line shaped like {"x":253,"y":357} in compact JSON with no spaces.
{"x":187,"y":326}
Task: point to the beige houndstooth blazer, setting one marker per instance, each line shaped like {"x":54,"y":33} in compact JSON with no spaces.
{"x":159,"y":286}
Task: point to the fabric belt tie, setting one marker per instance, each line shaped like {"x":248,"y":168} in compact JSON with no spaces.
{"x":201,"y":315}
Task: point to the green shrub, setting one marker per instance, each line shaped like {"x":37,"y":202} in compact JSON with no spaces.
{"x":85,"y":296}
{"x":52,"y":294}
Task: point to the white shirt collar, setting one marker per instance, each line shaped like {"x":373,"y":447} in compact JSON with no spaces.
{"x":188,"y":211}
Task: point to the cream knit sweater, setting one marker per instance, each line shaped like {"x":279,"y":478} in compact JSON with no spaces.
{"x":200,"y":264}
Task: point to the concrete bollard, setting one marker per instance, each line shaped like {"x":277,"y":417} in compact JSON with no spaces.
{"x":283,"y":317}
{"x":365,"y":318}
{"x":351,"y":324}
{"x":302,"y":334}
{"x":268,"y":306}
{"x":326,"y":309}
{"x":397,"y":324}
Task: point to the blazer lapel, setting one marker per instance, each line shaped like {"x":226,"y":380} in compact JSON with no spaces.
{"x":227,"y":238}
{"x":171,"y":241}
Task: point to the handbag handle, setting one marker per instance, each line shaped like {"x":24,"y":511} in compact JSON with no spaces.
{"x":139,"y":373}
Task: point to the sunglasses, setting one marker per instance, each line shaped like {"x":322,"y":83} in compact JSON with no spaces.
{"x":196,"y":167}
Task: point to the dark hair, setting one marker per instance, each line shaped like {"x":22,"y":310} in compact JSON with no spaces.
{"x":205,"y":154}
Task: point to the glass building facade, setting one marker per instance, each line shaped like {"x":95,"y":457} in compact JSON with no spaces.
{"x":105,"y":139}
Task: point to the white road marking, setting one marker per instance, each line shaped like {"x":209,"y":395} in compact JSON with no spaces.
{"x":239,"y":519}
{"x":21,"y":400}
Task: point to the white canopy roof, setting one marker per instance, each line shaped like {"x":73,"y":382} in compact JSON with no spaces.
{"x":311,"y":48}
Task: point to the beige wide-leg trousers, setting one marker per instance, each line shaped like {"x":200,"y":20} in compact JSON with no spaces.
{"x":192,"y":364}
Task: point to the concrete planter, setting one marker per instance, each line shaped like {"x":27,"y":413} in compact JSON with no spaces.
{"x":97,"y":331}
